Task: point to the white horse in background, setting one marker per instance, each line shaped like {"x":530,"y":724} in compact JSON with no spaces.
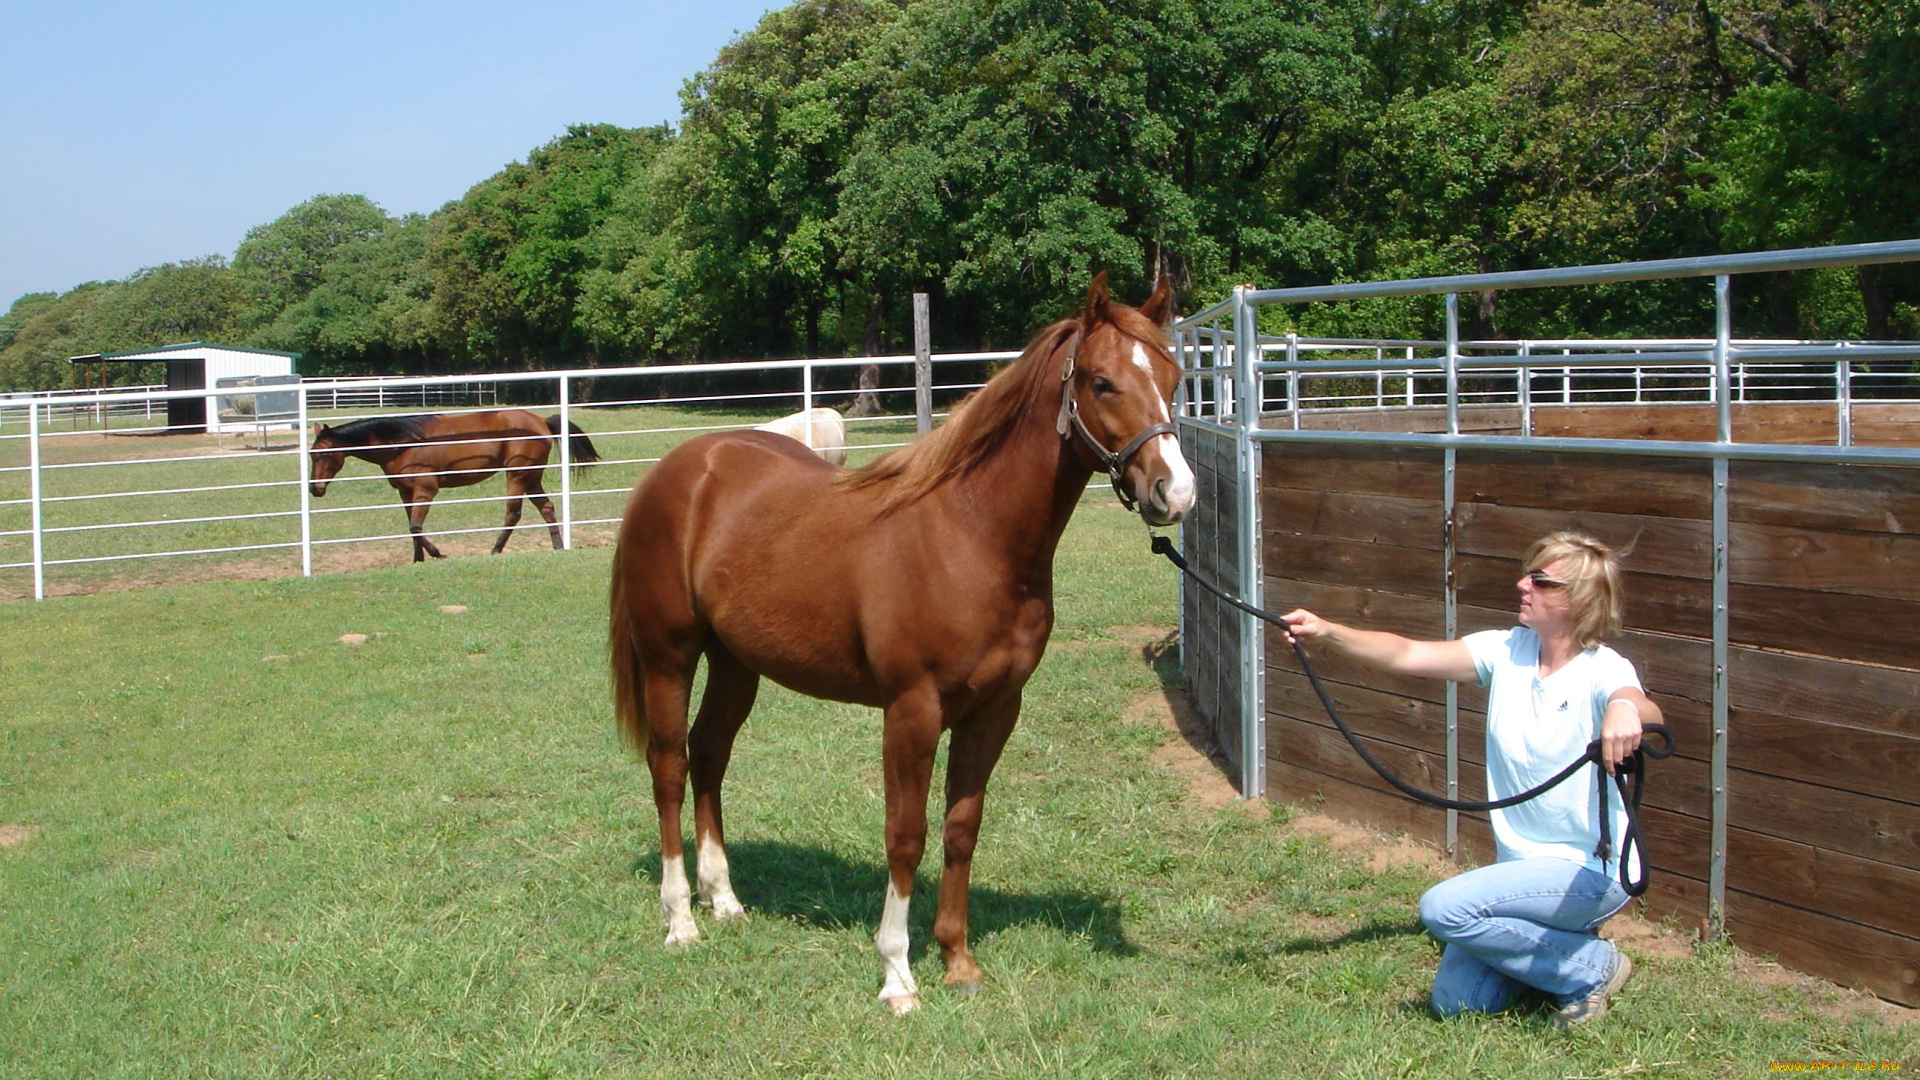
{"x":820,"y":428}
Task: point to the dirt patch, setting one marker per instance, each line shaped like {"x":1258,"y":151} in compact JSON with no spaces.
{"x":1196,"y":758}
{"x":353,"y":639}
{"x":16,"y":834}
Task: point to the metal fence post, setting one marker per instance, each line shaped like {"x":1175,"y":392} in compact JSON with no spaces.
{"x":1451,"y":614}
{"x":566,"y":465}
{"x":305,"y":469}
{"x":922,"y":363}
{"x":1717,"y":865}
{"x":33,"y":495}
{"x":1253,"y":726}
{"x":1526,"y":389}
{"x":1843,"y":390}
{"x":806,"y":402}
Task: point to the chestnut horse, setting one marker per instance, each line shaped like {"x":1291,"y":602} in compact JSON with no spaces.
{"x":921,"y":584}
{"x":422,"y":454}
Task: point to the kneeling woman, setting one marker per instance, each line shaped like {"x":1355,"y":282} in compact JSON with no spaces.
{"x":1532,"y":918}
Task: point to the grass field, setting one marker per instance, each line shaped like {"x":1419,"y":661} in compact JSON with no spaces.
{"x":235,"y":847}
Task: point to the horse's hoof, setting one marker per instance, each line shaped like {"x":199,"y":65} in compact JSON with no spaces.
{"x":728,"y":907}
{"x":679,"y":936}
{"x":903,"y":1004}
{"x":968,"y":988}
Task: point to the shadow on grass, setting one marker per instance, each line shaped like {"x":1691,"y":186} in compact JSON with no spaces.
{"x":1305,"y":943}
{"x":822,"y":889}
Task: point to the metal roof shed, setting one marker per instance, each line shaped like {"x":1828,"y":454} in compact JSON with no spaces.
{"x":197,"y":365}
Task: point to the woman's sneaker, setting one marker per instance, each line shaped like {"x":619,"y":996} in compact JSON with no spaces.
{"x":1594,"y":1005}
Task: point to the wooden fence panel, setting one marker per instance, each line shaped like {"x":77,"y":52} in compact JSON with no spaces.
{"x":1823,"y":663}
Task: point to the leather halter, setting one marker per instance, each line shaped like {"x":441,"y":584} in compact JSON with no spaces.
{"x":1114,"y":462}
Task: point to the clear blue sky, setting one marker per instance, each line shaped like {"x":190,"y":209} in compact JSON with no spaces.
{"x":138,"y":133}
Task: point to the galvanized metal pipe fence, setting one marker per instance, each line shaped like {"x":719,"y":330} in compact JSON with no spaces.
{"x":1227,"y":364}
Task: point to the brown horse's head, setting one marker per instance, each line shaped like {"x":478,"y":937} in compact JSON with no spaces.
{"x":1122,"y":380}
{"x":328,"y":456}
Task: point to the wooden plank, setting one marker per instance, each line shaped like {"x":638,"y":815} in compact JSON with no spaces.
{"x":1676,"y":843}
{"x":1878,"y":961}
{"x":1833,"y":883}
{"x":1869,"y":696}
{"x":1673,"y":547}
{"x":1795,"y":424}
{"x":1495,"y":420}
{"x":1343,"y":801}
{"x":1886,"y":425}
{"x":1879,"y":829}
{"x":1358,"y":469}
{"x":1673,"y":605}
{"x":1833,"y":755}
{"x":1390,"y":568}
{"x":1864,"y":629}
{"x":1338,"y":516}
{"x":1865,"y":498}
{"x":1863,"y":564}
{"x":1313,"y":746}
{"x":1679,"y":899}
{"x":1371,"y":714}
{"x":1652,"y":487}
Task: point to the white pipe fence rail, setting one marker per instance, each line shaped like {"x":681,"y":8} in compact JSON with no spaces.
{"x":68,"y":500}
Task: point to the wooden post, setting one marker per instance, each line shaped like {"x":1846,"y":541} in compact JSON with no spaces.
{"x":922,"y":363}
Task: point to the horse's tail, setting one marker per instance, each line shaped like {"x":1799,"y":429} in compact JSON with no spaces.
{"x":625,"y":661}
{"x":579,"y":447}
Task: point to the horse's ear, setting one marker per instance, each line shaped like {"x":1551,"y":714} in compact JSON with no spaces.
{"x":1160,"y":305}
{"x":1097,"y":300}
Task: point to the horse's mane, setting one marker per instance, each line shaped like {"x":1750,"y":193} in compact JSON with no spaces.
{"x":377,"y":430}
{"x":978,"y":426}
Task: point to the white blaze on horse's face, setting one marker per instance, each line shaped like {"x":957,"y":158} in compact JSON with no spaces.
{"x":1130,"y":397}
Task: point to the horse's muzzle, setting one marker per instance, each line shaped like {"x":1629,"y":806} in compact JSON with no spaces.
{"x":318,"y":487}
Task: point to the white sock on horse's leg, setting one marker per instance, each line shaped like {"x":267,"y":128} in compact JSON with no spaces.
{"x":716,"y":884}
{"x":676,"y":901}
{"x":900,"y":991}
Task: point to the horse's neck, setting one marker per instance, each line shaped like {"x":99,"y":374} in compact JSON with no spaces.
{"x":377,"y":453}
{"x":1028,"y":489}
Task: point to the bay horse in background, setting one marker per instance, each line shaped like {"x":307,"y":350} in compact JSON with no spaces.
{"x":424,"y":453}
{"x":820,"y":428}
{"x":921,"y":584}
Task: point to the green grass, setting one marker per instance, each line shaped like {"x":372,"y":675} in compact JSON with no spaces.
{"x":260,"y":853}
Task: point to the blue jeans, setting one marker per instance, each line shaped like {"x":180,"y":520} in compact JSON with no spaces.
{"x":1529,"y":922}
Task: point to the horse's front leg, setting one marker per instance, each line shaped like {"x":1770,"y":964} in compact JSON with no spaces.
{"x":971,"y":756}
{"x":912,"y":734}
{"x":418,"y":496}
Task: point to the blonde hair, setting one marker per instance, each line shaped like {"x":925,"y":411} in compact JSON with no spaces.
{"x":1591,"y":570}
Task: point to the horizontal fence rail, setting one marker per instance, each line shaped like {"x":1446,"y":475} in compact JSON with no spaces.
{"x":95,"y":483}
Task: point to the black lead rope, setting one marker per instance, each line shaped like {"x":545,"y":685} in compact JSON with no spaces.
{"x":1634,"y":765}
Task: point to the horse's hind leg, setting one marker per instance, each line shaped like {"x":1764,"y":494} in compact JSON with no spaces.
{"x":731,"y":688}
{"x":513,"y":514}
{"x":664,"y":693}
{"x":537,"y":492}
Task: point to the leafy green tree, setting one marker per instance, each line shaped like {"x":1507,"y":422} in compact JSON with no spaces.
{"x":367,"y":313}
{"x":281,"y":262}
{"x":506,"y":263}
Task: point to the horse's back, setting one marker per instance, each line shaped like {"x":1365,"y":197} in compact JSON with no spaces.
{"x":744,"y":533}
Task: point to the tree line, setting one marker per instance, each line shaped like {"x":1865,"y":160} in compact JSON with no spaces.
{"x":845,"y":154}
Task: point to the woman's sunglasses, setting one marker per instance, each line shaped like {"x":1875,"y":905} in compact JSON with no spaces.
{"x":1542,"y":581}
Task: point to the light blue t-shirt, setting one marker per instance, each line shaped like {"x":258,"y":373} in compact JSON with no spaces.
{"x":1535,"y":727}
